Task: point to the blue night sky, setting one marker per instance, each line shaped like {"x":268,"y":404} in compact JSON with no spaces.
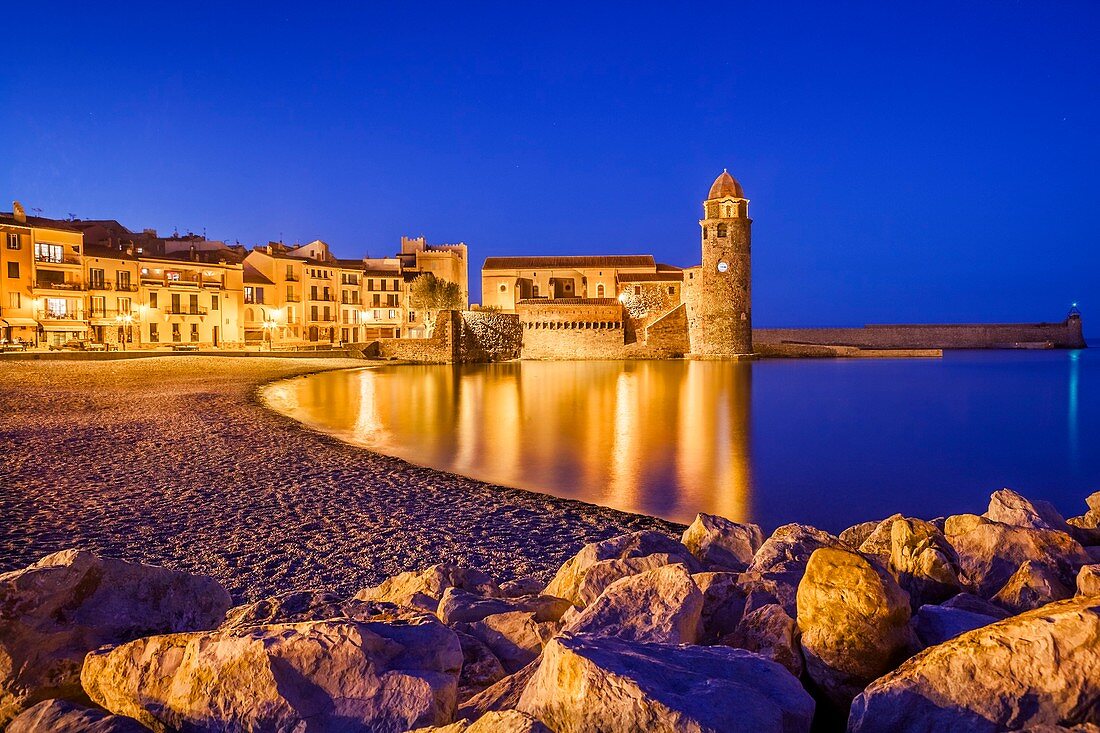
{"x":921,"y":163}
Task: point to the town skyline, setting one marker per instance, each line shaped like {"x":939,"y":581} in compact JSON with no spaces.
{"x":947,"y":197}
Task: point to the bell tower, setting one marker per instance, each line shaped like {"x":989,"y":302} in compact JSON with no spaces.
{"x":720,"y":306}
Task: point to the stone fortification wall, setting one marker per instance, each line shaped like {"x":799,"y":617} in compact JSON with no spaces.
{"x":489,"y":336}
{"x":667,"y":337}
{"x":439,"y":349}
{"x":572,"y":328}
{"x":1065,"y":335}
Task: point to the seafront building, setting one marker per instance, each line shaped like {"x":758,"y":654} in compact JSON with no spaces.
{"x":102,"y":285}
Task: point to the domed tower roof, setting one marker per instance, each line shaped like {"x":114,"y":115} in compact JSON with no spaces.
{"x":726,"y":185}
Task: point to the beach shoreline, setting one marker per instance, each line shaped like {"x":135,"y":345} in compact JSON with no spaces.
{"x":177,"y":462}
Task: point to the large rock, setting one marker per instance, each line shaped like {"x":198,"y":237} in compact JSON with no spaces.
{"x":936,"y":624}
{"x":975,"y":604}
{"x":1035,"y":668}
{"x":57,"y":610}
{"x":878,"y":542}
{"x":459,"y":606}
{"x":313,"y":605}
{"x":723,"y":604}
{"x":1008,"y":507}
{"x":1088,"y":581}
{"x":1031,"y":586}
{"x":770,"y":632}
{"x":1086,"y":528}
{"x":584,"y":576}
{"x":854,"y":620}
{"x":923,"y":562}
{"x":62,"y":716}
{"x":503,"y":695}
{"x":857,"y":534}
{"x":515,"y":638}
{"x":320,"y":676}
{"x":662,"y":605}
{"x":715,"y":540}
{"x":424,"y":589}
{"x":522,"y":587}
{"x":990,"y":552}
{"x":506,"y":721}
{"x":779,"y":564}
{"x":591,"y":684}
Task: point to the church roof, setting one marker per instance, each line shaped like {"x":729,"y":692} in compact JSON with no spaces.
{"x":726,"y":185}
{"x":568,"y":261}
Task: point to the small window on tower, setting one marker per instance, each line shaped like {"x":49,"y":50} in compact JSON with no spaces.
{"x":704,"y":232}
{"x":721,"y":230}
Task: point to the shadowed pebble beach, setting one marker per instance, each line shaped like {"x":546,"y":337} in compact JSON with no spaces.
{"x":173,"y":461}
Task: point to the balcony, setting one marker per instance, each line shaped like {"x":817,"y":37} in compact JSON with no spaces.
{"x":185,"y":311}
{"x":322,"y":298}
{"x":65,"y":259}
{"x":293,"y":299}
{"x":291,"y":278}
{"x":47,"y":315}
{"x":58,"y":285}
{"x":253,"y":300}
{"x":217,"y":284}
{"x":125,"y":287}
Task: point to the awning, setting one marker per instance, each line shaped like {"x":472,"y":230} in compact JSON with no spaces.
{"x":14,"y":321}
{"x":68,"y":327}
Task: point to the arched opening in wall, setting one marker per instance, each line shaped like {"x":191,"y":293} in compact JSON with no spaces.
{"x":249,"y":315}
{"x":599,"y":290}
{"x":721,"y":230}
{"x":312,"y":333}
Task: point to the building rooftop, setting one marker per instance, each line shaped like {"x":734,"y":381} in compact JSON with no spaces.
{"x":638,"y":277}
{"x":569,"y":261}
{"x":8,"y":219}
{"x":726,"y":185}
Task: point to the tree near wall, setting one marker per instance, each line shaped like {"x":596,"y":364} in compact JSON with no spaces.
{"x":430,"y":294}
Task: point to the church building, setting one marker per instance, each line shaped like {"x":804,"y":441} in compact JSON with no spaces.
{"x":630,"y":306}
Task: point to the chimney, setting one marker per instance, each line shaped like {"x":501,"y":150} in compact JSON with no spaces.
{"x":18,"y":212}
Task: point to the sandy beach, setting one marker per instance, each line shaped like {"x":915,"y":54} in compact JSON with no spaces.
{"x":173,"y":461}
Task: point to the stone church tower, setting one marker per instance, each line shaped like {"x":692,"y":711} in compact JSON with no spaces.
{"x":718,"y":292}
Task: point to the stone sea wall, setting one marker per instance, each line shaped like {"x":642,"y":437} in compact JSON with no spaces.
{"x":1064,"y":335}
{"x":459,"y":337}
{"x":966,"y":623}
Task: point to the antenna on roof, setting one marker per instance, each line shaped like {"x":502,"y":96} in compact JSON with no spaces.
{"x":37,"y":210}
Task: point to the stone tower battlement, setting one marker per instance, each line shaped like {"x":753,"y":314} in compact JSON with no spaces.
{"x":718,"y":293}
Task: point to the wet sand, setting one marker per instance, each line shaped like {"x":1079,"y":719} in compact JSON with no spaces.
{"x":174,"y":461}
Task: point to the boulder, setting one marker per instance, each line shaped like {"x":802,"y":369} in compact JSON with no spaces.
{"x":715,"y":540}
{"x":723,"y":604}
{"x":854,"y":620}
{"x":1086,"y":528}
{"x":480,"y":667}
{"x":587,"y":684}
{"x":855,"y":535}
{"x":503,"y":695}
{"x":975,"y":604}
{"x":62,"y":716}
{"x":522,"y":587}
{"x":777,"y":568}
{"x":516,"y":638}
{"x":923,"y":562}
{"x":1035,"y":668}
{"x":1088,"y":581}
{"x":458,"y":606}
{"x":770,"y":632}
{"x":990,"y":552}
{"x":662,"y":605}
{"x":878,"y":543}
{"x":327,"y":675}
{"x":313,"y":605}
{"x":1008,"y":507}
{"x":505,"y":721}
{"x":424,"y":589}
{"x":936,"y":624}
{"x":584,"y":576}
{"x":1029,"y":587}
{"x":57,"y":610}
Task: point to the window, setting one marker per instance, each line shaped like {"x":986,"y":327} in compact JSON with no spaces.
{"x":176,"y":336}
{"x":503,"y":288}
{"x":172,"y":275}
{"x":13,"y":240}
{"x":49,"y":252}
{"x":637,"y":289}
{"x":370,"y":283}
{"x":57,"y":307}
{"x":13,"y":269}
{"x":327,"y":314}
{"x":412,"y":316}
{"x":704,"y":232}
{"x":672,"y":290}
{"x":215,"y":303}
{"x":396,"y":285}
{"x":99,"y":305}
{"x":154,"y":336}
{"x":721,"y":230}
{"x":535,"y":291}
{"x":393,"y":314}
{"x":313,"y":313}
{"x":290,"y":272}
{"x":193,"y":304}
{"x":313,"y":292}
{"x":253,"y":294}
{"x":599,"y":290}
{"x":383,"y":285}
{"x":176,"y":306}
{"x":153,"y":299}
{"x":124,"y":305}
{"x":95,"y":279}
{"x":122,"y":280}
{"x":194,"y":332}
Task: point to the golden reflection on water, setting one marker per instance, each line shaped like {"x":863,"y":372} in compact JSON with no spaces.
{"x":666,"y":438}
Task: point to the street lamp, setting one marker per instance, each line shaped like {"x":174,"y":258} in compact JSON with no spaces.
{"x":271,"y":322}
{"x":125,"y":323}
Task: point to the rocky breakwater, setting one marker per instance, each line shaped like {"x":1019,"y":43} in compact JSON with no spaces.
{"x":972,"y":623}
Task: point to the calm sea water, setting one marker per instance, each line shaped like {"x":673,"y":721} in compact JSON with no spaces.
{"x":826,"y":442}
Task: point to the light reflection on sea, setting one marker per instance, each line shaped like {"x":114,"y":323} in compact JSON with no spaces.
{"x":828,"y":442}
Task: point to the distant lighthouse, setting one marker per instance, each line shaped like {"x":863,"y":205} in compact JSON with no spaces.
{"x":719,"y":291}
